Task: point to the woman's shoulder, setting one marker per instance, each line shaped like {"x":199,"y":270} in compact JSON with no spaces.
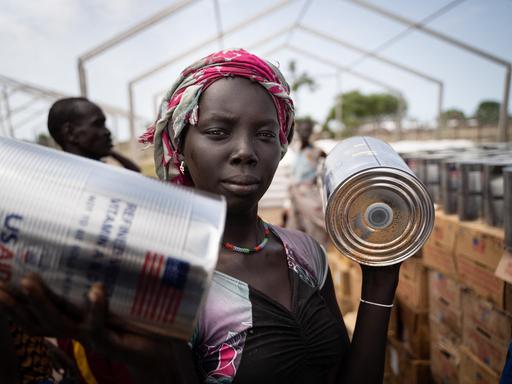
{"x":305,"y":251}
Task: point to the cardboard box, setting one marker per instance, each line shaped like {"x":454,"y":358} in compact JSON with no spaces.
{"x":444,"y":233}
{"x":439,"y":250}
{"x":504,"y":272}
{"x":401,"y":367}
{"x":440,"y":259}
{"x":356,"y":279}
{"x":481,"y":243}
{"x":413,"y":331}
{"x":507,"y":306}
{"x":413,"y":285}
{"x":472,"y":370}
{"x":486,"y":331}
{"x":446,"y":301}
{"x":482,"y":280}
{"x":443,"y":313}
{"x":340,"y":272}
{"x":482,"y":314}
{"x":444,"y":354}
{"x":441,"y":285}
{"x":478,"y":251}
{"x":393,"y":322}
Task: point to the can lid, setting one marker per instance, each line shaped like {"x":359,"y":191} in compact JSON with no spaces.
{"x":379,"y":215}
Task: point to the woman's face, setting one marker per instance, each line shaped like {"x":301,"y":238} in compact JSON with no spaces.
{"x":234,"y":150}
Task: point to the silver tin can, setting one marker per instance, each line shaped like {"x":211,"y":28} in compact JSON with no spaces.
{"x":507,"y":218}
{"x":493,"y":191}
{"x":377,"y":212}
{"x":450,"y":181}
{"x":76,"y":221}
{"x":470,"y":197}
{"x":430,"y":174}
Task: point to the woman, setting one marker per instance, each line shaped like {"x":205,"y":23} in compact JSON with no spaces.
{"x":271,"y":313}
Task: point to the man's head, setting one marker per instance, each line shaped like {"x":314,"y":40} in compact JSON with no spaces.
{"x":78,"y":126}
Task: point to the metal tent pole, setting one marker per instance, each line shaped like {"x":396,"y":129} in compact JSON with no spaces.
{"x":120,"y":37}
{"x":503,"y":120}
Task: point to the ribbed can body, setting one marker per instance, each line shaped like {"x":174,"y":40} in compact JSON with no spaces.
{"x":377,"y":212}
{"x":450,"y":180}
{"x":493,"y":192}
{"x":75,"y":221}
{"x":470,"y":197}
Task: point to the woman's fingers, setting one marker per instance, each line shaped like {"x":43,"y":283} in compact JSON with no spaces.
{"x":95,"y":328}
{"x":94,"y":323}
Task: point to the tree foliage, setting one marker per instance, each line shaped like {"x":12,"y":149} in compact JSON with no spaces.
{"x":357,"y":107}
{"x":488,"y":112}
{"x":453,"y":114}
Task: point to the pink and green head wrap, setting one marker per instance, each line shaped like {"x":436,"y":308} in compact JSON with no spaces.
{"x":180,"y":105}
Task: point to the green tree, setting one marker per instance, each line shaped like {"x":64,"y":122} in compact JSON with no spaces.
{"x":453,"y":114}
{"x":488,"y":112}
{"x":357,"y":107}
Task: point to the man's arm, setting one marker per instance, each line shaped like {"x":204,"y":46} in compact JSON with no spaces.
{"x":125,"y":162}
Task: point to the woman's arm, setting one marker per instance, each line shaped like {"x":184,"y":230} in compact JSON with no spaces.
{"x":365,"y":361}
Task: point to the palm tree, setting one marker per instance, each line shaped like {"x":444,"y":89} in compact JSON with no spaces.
{"x":299,"y":81}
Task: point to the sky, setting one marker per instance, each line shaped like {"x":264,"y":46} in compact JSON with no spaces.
{"x":41,"y":41}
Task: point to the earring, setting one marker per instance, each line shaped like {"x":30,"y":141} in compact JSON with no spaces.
{"x":182,"y":167}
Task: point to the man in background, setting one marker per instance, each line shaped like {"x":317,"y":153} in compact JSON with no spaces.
{"x":78,"y":126}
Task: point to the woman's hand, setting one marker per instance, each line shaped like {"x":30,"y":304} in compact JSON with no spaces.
{"x":43,"y":313}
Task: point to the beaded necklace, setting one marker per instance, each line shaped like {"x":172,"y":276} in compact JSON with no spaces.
{"x":259,"y":247}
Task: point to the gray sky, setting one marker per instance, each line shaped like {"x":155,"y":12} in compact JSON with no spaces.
{"x":41,"y":40}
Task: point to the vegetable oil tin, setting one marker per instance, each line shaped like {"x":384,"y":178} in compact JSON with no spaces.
{"x":493,"y":191}
{"x":77,"y":221}
{"x":377,"y":212}
{"x":470,"y":197}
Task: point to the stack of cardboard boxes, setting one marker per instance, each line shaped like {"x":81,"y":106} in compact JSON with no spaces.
{"x":410,"y":342}
{"x":470,"y":323}
{"x":452,"y":320}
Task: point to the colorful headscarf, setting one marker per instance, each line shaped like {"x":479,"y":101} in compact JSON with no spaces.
{"x":179,"y":106}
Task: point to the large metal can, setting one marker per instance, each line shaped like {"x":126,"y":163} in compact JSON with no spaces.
{"x":493,"y":191}
{"x":76,"y":221}
{"x":449,"y":186}
{"x":470,"y":197}
{"x":377,"y":212}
